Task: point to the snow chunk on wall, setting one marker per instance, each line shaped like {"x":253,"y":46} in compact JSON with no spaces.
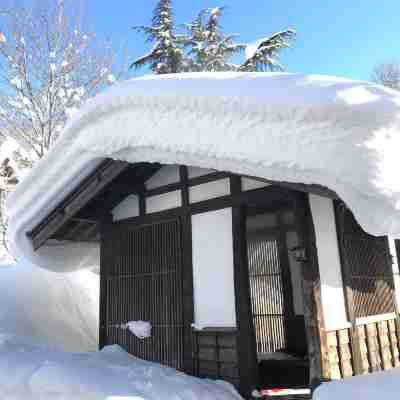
{"x":141,"y":329}
{"x":334,"y":132}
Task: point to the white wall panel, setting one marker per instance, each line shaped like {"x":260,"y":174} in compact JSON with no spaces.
{"x":209,"y":190}
{"x":332,"y":294}
{"x":163,"y":201}
{"x":395,"y":266}
{"x":214,"y":293}
{"x":251,"y":184}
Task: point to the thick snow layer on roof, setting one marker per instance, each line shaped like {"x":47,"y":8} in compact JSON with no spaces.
{"x":335,"y":132}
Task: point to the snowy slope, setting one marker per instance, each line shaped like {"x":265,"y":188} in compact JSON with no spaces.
{"x":58,"y":310}
{"x":335,"y":132}
{"x":30,"y":372}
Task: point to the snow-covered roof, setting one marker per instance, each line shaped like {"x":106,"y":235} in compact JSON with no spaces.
{"x":334,"y":132}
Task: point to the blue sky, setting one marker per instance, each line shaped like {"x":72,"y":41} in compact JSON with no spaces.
{"x":337,"y":37}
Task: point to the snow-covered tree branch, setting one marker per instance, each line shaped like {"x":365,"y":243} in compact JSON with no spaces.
{"x":48,"y":67}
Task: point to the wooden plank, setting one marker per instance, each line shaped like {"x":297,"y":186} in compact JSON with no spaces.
{"x":76,"y":201}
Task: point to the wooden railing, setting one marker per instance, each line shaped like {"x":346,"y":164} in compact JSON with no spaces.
{"x":365,"y":348}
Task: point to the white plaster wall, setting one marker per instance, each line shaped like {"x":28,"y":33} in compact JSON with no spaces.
{"x":209,"y":190}
{"x":332,"y":294}
{"x":163,"y":201}
{"x":214,"y":293}
{"x":395,"y":265}
{"x":251,"y":184}
{"x":166,"y":175}
{"x":292,"y":240}
{"x":128,"y":208}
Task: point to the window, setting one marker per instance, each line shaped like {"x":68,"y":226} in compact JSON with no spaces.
{"x":367,"y":268}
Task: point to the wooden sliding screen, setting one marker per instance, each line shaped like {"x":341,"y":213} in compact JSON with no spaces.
{"x":144,"y":282}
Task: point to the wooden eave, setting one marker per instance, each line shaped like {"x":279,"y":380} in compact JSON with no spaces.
{"x":77,"y":217}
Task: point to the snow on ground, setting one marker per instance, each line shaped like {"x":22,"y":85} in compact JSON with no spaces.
{"x":330,"y":131}
{"x":30,"y":372}
{"x":55,"y":309}
{"x":44,"y":316}
{"x":379,"y":385}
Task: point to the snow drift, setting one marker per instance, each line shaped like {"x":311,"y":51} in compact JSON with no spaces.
{"x":338,"y":133}
{"x":379,"y":385}
{"x":57,"y":310}
{"x":30,"y":372}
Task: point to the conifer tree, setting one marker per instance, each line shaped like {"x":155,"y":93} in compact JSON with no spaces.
{"x":166,"y":56}
{"x":204,"y":46}
{"x":263,"y":55}
{"x":210,"y":48}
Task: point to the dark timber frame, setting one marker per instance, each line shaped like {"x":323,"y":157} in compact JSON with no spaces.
{"x":93,"y":201}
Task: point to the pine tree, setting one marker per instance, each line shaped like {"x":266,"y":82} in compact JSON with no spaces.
{"x":263,"y":55}
{"x":166,"y":55}
{"x":204,"y":46}
{"x":210,"y":48}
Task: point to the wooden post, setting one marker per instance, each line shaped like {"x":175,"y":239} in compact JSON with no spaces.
{"x":313,"y":312}
{"x":187,"y":271}
{"x":105,"y":248}
{"x":248,"y":368}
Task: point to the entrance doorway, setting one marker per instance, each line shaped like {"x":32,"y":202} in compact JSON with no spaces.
{"x":276,"y":298}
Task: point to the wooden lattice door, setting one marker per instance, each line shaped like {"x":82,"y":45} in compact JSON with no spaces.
{"x":143,"y":267}
{"x":270,"y":285}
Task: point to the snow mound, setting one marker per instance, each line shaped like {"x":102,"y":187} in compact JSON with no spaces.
{"x":338,"y":133}
{"x":29,"y":372}
{"x":58,"y":310}
{"x":374,"y":386}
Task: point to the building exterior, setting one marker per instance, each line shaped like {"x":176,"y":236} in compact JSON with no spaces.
{"x":256,"y":277}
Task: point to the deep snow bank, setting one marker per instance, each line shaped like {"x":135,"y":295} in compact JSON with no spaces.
{"x":334,"y":132}
{"x":379,"y":385}
{"x":33,"y":373}
{"x":59,"y":310}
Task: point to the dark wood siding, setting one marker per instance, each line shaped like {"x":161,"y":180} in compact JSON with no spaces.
{"x":144,"y":282}
{"x":367,"y":268}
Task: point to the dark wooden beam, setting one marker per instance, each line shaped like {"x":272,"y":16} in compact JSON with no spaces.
{"x":199,"y":180}
{"x":86,"y":191}
{"x":246,"y":340}
{"x":318,"y":190}
{"x":313,"y":312}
